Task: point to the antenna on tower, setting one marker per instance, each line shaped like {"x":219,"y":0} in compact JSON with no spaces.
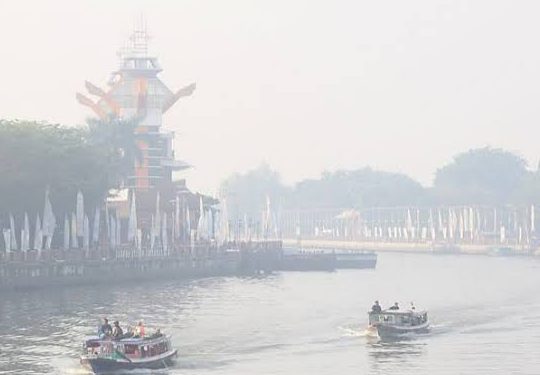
{"x":139,"y":39}
{"x":137,"y":44}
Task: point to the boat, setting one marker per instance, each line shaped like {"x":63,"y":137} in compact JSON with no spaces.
{"x":356,"y":260}
{"x":105,"y":355}
{"x":396,"y":323}
{"x":308,"y":261}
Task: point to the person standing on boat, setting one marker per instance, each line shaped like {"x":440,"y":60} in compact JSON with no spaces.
{"x":394,"y":307}
{"x":105,"y":329}
{"x":376,"y":308}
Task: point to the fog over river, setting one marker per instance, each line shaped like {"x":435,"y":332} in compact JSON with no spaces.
{"x":484,"y":312}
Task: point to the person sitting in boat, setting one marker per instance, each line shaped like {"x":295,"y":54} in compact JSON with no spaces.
{"x":158,"y":333}
{"x":394,"y":307}
{"x":117,"y":331}
{"x":139,"y":330}
{"x":129,"y":332}
{"x":412,"y":306}
{"x":105,"y":329}
{"x":376,"y":308}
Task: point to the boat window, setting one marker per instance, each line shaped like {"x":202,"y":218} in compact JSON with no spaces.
{"x":92,"y":344}
{"x":106,"y":348}
{"x":162,"y":347}
{"x":131,"y":349}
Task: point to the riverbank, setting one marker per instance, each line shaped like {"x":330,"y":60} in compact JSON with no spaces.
{"x":76,"y":267}
{"x":407,"y":247}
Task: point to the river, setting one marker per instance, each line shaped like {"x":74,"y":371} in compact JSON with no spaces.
{"x":484,"y":312}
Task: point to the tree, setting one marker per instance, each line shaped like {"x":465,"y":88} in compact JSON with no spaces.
{"x":480,"y":176}
{"x":34,"y":156}
{"x":362,"y":188}
{"x":119,"y":140}
{"x":246,"y":193}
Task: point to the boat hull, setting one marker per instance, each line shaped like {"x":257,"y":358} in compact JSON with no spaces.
{"x":389,"y":331}
{"x":104,"y":365}
{"x":356,"y":261}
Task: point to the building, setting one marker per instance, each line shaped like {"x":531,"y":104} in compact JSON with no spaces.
{"x":136,"y":93}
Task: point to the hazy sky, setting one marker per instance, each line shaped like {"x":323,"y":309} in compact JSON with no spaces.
{"x":306,"y":86}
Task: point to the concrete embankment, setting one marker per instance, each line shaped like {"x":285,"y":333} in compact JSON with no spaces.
{"x":404,"y":247}
{"x":25,"y":271}
{"x":28,"y":275}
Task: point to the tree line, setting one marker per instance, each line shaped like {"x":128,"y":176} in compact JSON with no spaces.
{"x":97,"y":157}
{"x":36,"y":156}
{"x":484,"y":176}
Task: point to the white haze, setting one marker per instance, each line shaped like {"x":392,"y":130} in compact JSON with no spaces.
{"x":303,"y":85}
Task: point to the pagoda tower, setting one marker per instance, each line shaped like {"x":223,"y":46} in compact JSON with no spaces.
{"x":136,"y":93}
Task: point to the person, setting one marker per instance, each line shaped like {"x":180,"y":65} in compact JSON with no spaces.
{"x":117,"y":332}
{"x":412,"y":306}
{"x":129,"y":332}
{"x":139,"y":330}
{"x":394,"y":307}
{"x":376,"y":308}
{"x":105,"y":329}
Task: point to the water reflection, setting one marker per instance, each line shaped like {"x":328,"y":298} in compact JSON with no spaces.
{"x":390,"y":352}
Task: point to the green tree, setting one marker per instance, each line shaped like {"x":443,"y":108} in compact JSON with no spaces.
{"x":35,"y":155}
{"x":362,"y":188}
{"x":246,"y":193}
{"x":481,"y":176}
{"x":119,"y":140}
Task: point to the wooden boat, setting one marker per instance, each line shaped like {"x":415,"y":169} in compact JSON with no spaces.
{"x":104,"y":355}
{"x":395,"y":323}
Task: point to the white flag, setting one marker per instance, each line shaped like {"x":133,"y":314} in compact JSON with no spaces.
{"x":25,"y":234}
{"x":132,"y":225}
{"x":164,"y":238}
{"x":74,"y":240}
{"x":86,"y":235}
{"x":38,"y":235}
{"x":12,"y":231}
{"x":80,"y":213}
{"x":66,"y":232}
{"x":95,"y":227}
{"x":49,"y":220}
{"x":7,"y":240}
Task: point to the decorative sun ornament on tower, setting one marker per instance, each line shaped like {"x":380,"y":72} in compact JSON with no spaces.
{"x":136,"y":93}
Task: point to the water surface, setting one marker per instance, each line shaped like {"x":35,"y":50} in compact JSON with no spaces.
{"x":484,"y":311}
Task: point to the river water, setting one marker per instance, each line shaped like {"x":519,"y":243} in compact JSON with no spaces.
{"x":485,"y":313}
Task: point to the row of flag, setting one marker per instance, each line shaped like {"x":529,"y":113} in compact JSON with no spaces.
{"x":79,"y":231}
{"x":463,"y":223}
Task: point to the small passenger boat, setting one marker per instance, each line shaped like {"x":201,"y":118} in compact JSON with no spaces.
{"x":103,"y":355}
{"x":395,"y":323}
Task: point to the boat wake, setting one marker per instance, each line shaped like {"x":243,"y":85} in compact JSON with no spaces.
{"x":359,"y":332}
